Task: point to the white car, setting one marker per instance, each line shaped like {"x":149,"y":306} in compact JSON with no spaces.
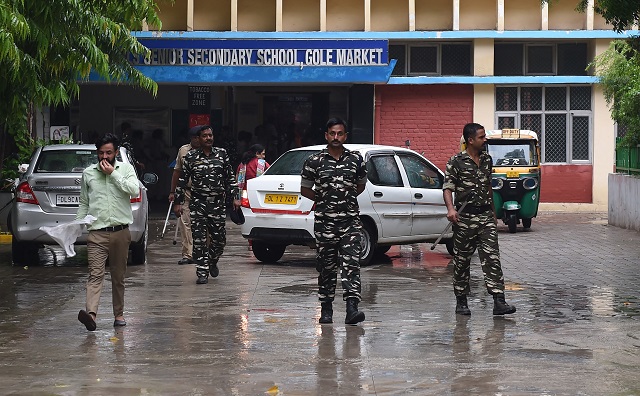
{"x":48,"y":194}
{"x":401,"y":204}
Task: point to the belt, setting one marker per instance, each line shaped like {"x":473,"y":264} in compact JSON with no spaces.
{"x":476,"y":209}
{"x":114,"y":228}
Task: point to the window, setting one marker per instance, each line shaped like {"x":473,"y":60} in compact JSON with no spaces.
{"x":561,"y":115}
{"x":399,"y":53}
{"x":382,"y":170}
{"x":562,"y":59}
{"x":423,"y":60}
{"x":452,"y":59}
{"x":420,"y":174}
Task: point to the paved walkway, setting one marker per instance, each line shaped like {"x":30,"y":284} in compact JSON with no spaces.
{"x":254,"y":330}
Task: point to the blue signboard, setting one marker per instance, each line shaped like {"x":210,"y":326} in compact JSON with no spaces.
{"x":280,"y":53}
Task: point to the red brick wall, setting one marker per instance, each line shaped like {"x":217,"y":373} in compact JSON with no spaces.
{"x":430,"y":116}
{"x":567,"y":183}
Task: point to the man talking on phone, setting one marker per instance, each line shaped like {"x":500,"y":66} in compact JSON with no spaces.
{"x":106,"y":191}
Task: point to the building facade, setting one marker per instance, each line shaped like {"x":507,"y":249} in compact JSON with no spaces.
{"x":403,"y":73}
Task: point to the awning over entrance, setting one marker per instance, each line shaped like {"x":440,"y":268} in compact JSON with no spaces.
{"x":266,"y":61}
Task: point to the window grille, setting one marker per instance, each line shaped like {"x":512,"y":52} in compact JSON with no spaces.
{"x":423,"y":60}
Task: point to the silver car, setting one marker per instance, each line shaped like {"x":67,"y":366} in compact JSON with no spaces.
{"x":48,"y":194}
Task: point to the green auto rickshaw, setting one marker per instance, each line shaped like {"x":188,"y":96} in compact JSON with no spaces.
{"x":516,"y":175}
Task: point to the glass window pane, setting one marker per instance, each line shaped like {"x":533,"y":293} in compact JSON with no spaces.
{"x":507,"y":60}
{"x":580,"y":98}
{"x":555,"y":98}
{"x":423,"y":60}
{"x":398,"y":52}
{"x":555,"y":138}
{"x":419,"y":173}
{"x":572,"y":59}
{"x":382,"y":170}
{"x":530,"y":98}
{"x":506,"y":99}
{"x":580,"y":138}
{"x":539,"y":59}
{"x":456,"y":60}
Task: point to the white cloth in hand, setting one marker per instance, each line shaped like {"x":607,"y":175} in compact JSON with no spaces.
{"x":67,"y":234}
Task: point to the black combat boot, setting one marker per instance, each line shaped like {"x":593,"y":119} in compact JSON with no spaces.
{"x":353,"y":315}
{"x":326,"y":314}
{"x":461,"y":306}
{"x":500,"y":307}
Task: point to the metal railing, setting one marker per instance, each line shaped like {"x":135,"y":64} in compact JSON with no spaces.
{"x":627,"y":159}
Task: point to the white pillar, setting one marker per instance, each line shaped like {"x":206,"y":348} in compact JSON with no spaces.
{"x":545,"y":16}
{"x":278,"y":15}
{"x":456,"y":15}
{"x":500,"y":11}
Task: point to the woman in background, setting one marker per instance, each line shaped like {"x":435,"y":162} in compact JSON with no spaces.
{"x":251,"y":165}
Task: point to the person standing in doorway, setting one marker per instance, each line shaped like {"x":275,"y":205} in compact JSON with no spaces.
{"x":184,"y":221}
{"x":212,"y":180}
{"x":468,"y":175}
{"x":106,"y":191}
{"x":333,"y":179}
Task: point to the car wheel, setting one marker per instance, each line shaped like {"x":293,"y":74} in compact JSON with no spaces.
{"x":267,"y":253}
{"x":24,"y":252}
{"x":526,"y":223}
{"x":139,"y":249}
{"x":368,"y":242}
{"x":380,"y":250}
{"x":449,"y":244}
{"x":512,"y":222}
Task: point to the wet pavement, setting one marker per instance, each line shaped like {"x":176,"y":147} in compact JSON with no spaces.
{"x":254,"y":330}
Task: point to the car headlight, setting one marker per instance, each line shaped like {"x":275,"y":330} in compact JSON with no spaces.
{"x":497,"y":183}
{"x":530,"y":183}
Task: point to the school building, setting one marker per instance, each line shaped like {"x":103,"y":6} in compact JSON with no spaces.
{"x":401,"y":72}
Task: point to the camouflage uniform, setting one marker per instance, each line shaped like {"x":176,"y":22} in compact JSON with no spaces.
{"x":211,"y":180}
{"x":337,"y":225}
{"x":477,"y":226}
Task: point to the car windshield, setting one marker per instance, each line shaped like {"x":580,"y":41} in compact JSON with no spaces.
{"x":513,"y":152}
{"x":290,"y":163}
{"x":65,"y":161}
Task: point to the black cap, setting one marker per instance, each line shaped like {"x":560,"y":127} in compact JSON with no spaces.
{"x":193,"y":132}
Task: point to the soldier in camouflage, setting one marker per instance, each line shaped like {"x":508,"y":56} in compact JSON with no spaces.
{"x":468,"y":174}
{"x":333,"y":179}
{"x":212,"y":178}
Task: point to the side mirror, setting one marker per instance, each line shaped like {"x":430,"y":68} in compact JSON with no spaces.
{"x":149,"y":178}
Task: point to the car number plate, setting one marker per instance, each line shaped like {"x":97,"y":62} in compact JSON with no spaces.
{"x":513,"y":174}
{"x":281,"y":199}
{"x":62,"y":200}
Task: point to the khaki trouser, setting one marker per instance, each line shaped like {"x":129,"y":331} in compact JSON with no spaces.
{"x":184,"y":225}
{"x":103,"y":246}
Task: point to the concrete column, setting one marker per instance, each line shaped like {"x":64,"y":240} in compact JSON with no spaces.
{"x":604,"y":139}
{"x":412,"y":15}
{"x":278,"y":15}
{"x":234,"y":15}
{"x":483,"y":105}
{"x":190,"y":15}
{"x":483,"y":57}
{"x":590,"y":15}
{"x":323,"y":15}
{"x":500,"y":14}
{"x":456,"y":15}
{"x":367,"y":15}
{"x":545,"y":16}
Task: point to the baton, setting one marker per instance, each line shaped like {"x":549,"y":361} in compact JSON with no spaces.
{"x":166,"y":221}
{"x":175,"y":234}
{"x":448,"y":226}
